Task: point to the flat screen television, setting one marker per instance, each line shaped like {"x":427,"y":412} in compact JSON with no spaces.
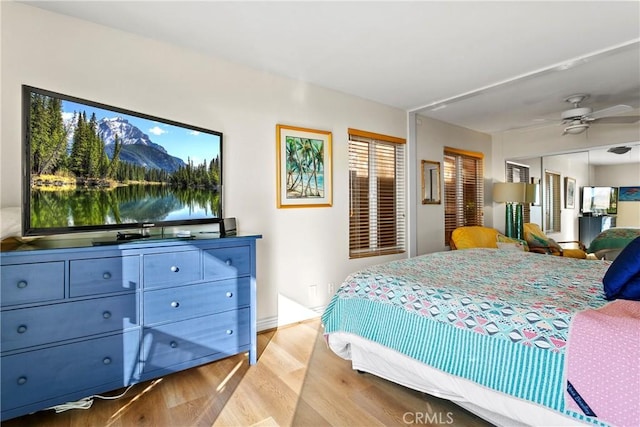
{"x":90,"y":167}
{"x":599,"y":201}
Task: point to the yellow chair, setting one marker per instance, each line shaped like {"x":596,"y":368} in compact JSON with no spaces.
{"x":474,"y":236}
{"x":541,"y":243}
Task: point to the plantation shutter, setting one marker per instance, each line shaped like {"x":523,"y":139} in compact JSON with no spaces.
{"x":463,"y":190}
{"x":552,"y":202}
{"x":520,"y":173}
{"x":376,"y":194}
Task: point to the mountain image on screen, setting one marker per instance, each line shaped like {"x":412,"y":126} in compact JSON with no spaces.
{"x":121,"y":141}
{"x":137,"y":148}
{"x":91,"y":166}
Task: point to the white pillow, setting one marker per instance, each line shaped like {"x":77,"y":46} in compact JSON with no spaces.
{"x":10,"y":222}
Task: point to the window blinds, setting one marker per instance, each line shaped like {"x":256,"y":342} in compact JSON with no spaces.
{"x":463,"y":190}
{"x":376,"y":194}
{"x":552,"y":208}
{"x":520,"y":173}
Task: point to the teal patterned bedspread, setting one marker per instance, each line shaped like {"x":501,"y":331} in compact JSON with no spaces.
{"x":499,"y":318}
{"x":613,"y":238}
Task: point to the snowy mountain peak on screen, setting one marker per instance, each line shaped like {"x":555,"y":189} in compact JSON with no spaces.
{"x":137,"y":148}
{"x":108,"y":128}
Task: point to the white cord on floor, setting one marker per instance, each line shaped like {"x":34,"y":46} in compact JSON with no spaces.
{"x":86,"y":402}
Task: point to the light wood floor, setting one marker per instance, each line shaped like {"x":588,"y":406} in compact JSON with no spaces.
{"x":297,"y":381}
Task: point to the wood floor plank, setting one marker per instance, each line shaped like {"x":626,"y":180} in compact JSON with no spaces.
{"x":146,"y":408}
{"x":185,"y":388}
{"x":270,"y":395}
{"x":193,"y":413}
{"x":297,"y":381}
{"x":306,"y":415}
{"x":278,"y":358}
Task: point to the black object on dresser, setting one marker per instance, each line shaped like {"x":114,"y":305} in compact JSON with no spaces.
{"x":79,"y":319}
{"x":590,"y":226}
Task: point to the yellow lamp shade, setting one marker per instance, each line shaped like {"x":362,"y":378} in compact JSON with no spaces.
{"x":510,"y":192}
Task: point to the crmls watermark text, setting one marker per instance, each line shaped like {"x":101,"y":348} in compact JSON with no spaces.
{"x":440,"y":418}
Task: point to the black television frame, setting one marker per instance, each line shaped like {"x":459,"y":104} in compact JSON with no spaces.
{"x":612,"y":208}
{"x":29,"y":230}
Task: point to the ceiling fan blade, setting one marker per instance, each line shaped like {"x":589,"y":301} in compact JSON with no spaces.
{"x":619,"y":119}
{"x":606,"y":112}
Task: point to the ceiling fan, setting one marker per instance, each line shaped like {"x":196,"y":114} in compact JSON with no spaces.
{"x":578,"y":119}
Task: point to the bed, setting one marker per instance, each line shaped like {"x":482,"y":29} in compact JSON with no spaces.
{"x":608,"y":243}
{"x":484,"y":328}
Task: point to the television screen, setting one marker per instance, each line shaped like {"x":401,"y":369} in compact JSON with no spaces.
{"x":600,"y":200}
{"x":90,"y":166}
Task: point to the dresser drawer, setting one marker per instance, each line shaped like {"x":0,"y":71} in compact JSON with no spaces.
{"x":176,"y":268}
{"x":27,"y":283}
{"x":103,"y":275}
{"x":56,"y":371}
{"x":184,"y":302}
{"x":172,"y":344}
{"x":46,"y":324}
{"x":225,"y":263}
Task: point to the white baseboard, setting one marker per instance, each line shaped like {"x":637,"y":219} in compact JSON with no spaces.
{"x":268,"y":323}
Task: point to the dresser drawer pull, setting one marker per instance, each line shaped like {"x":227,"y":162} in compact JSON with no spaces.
{"x":229,"y":294}
{"x":22,"y":329}
{"x":228,"y":262}
{"x":175,"y":268}
{"x":175,"y":304}
{"x":22,"y":380}
{"x":106,"y":361}
{"x":173,"y":344}
{"x":106,"y":315}
{"x":22,"y":284}
{"x":106,"y":275}
{"x":229,"y":331}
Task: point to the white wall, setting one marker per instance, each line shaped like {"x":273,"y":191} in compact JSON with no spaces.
{"x":300,"y":247}
{"x":431,"y":138}
{"x":624,"y":175}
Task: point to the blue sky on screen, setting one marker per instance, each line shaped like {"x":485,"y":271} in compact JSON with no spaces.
{"x":180,"y":142}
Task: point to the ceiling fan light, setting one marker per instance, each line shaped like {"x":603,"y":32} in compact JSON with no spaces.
{"x":619,"y":150}
{"x":576,"y":129}
{"x":575,"y":113}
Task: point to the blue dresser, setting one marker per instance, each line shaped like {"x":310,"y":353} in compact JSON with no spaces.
{"x":78,"y":319}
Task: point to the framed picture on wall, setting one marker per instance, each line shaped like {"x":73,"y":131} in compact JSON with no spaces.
{"x":569,"y":193}
{"x":629,"y":194}
{"x":430,"y":173}
{"x":303,"y":167}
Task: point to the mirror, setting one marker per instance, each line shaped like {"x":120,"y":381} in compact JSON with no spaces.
{"x":595,"y":167}
{"x":430,"y":182}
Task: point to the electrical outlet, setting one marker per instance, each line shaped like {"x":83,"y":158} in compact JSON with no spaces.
{"x":313,"y":291}
{"x":331,"y":288}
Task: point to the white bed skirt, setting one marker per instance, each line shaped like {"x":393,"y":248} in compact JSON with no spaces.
{"x":496,"y":407}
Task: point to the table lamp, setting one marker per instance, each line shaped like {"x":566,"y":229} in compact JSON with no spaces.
{"x":513,"y":194}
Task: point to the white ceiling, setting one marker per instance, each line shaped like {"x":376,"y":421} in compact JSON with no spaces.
{"x":487,"y":66}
